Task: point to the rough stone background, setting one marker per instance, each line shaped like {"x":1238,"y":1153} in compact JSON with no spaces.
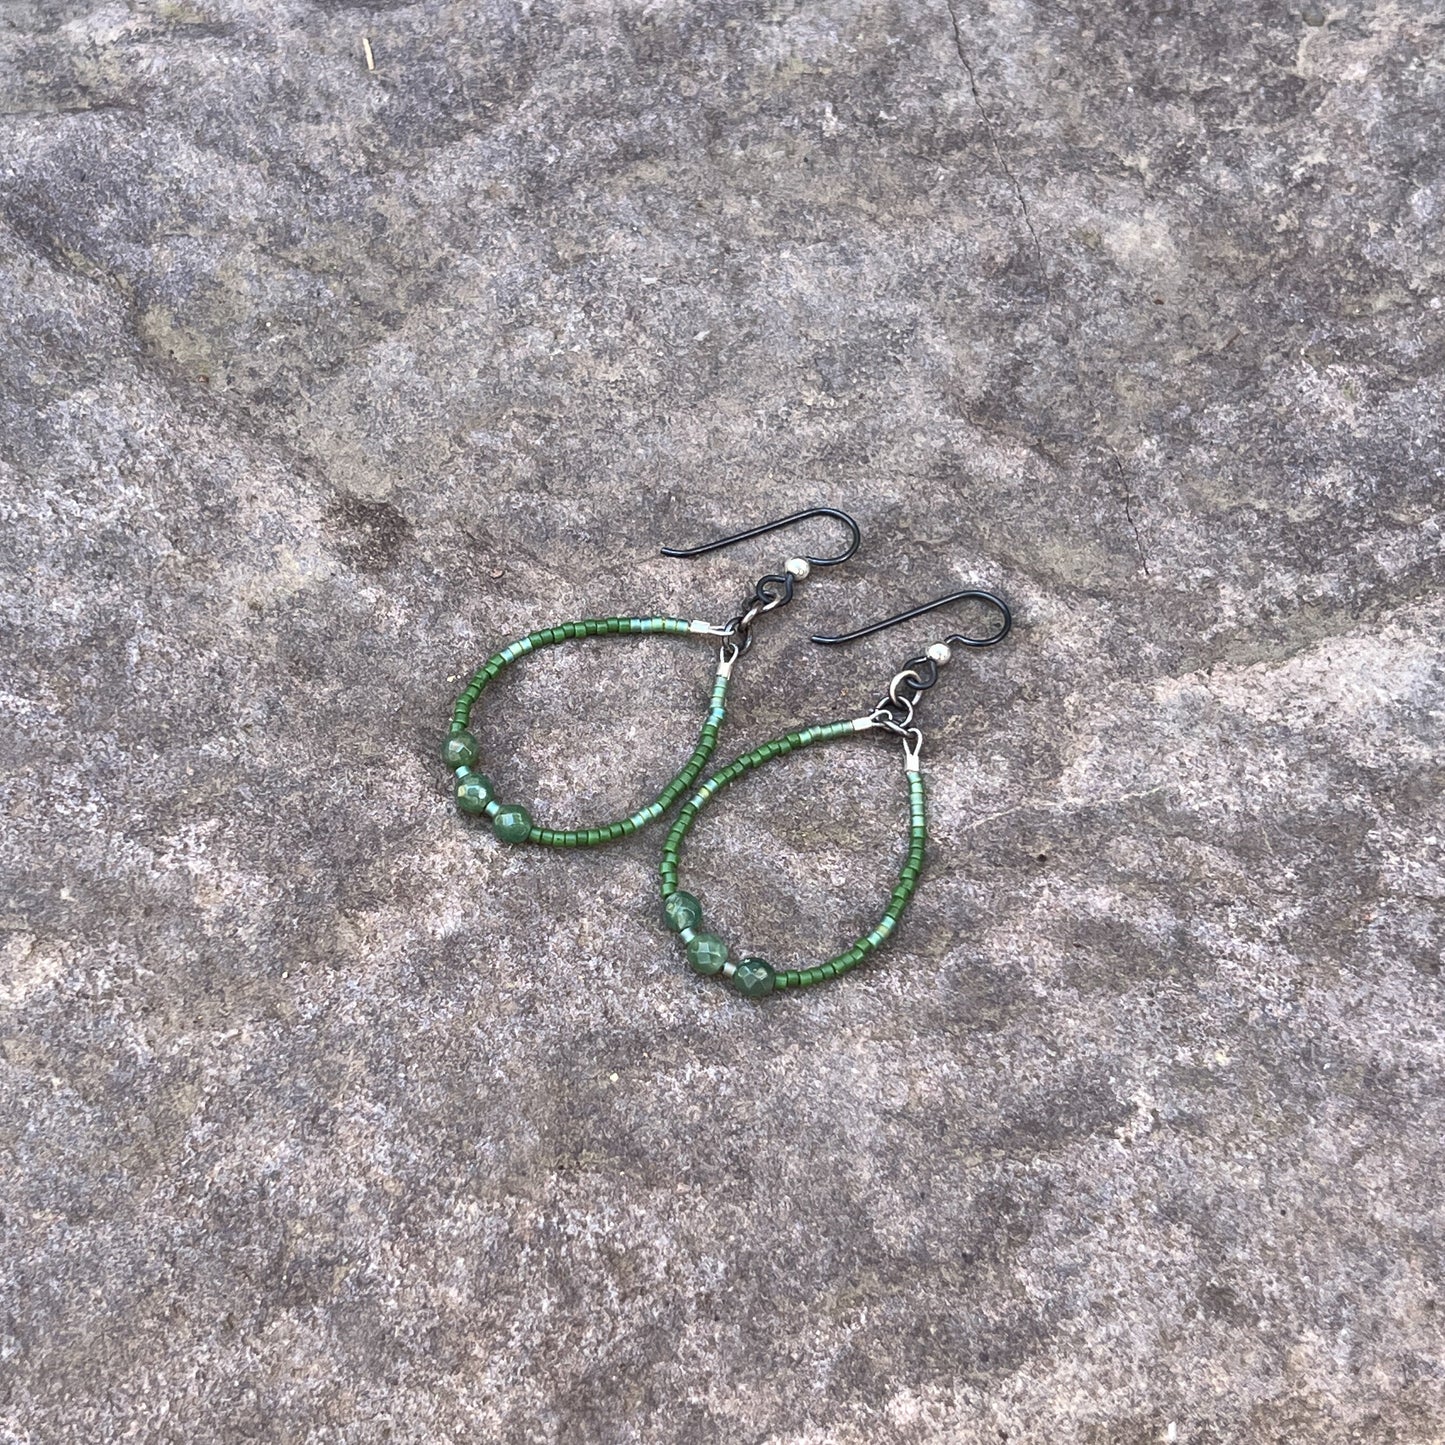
{"x":326,"y":1118}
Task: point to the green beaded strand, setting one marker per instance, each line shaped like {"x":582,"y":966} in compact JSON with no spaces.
{"x":755,"y":977}
{"x":510,"y":821}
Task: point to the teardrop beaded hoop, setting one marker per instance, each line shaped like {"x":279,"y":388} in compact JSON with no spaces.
{"x":511,"y":822}
{"x":755,"y":977}
{"x":892,"y":716}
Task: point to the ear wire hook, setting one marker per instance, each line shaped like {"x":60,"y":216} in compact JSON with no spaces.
{"x":957,"y":638}
{"x":847,"y":521}
{"x":896,"y":707}
{"x":776,"y":589}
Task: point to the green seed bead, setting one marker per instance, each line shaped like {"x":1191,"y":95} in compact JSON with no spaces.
{"x":706,"y":954}
{"x":754,"y":978}
{"x":460,"y":750}
{"x":474,"y":792}
{"x":512,"y":823}
{"x":681,"y":910}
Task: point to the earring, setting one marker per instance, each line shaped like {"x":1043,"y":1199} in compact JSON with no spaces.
{"x":755,"y":977}
{"x":511,"y":822}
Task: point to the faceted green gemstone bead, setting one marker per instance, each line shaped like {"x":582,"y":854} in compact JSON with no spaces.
{"x":474,"y":792}
{"x":512,"y":823}
{"x":754,"y":978}
{"x":459,"y":750}
{"x":706,"y":953}
{"x":681,"y":910}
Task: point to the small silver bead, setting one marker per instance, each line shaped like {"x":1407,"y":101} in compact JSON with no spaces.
{"x":940,"y":652}
{"x":796,"y":567}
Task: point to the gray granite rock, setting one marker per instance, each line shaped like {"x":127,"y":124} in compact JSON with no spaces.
{"x":327,"y":1118}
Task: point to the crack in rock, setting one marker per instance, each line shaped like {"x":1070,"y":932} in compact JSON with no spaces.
{"x":1129,"y":508}
{"x":1002,"y":159}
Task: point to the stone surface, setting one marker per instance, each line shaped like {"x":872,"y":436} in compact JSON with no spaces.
{"x":328,"y":1118}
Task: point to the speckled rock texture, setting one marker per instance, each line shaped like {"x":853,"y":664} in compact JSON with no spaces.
{"x":326,"y":1117}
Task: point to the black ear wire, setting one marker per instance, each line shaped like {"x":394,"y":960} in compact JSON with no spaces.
{"x":776,"y":589}
{"x":957,"y":638}
{"x":847,"y":521}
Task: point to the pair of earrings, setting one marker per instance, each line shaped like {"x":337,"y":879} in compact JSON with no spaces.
{"x":893,"y":716}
